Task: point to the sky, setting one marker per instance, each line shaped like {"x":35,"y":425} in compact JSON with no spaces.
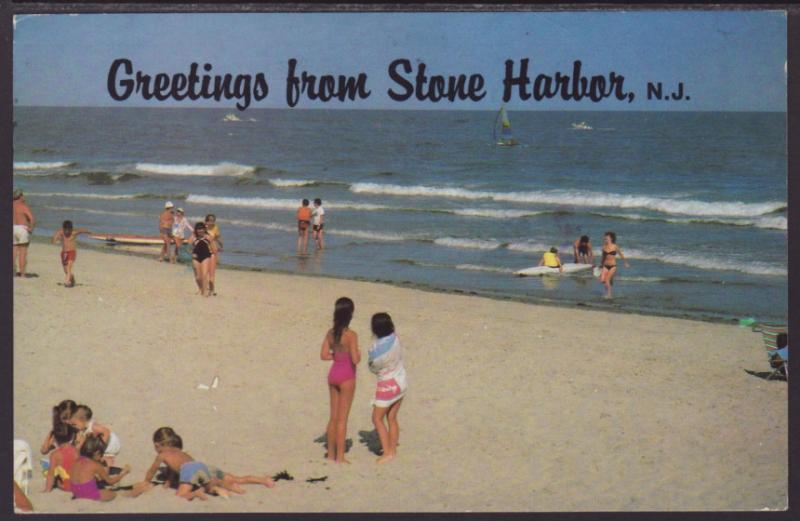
{"x":725,"y":60}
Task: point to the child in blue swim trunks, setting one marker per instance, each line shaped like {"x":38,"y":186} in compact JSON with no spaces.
{"x":195,"y":478}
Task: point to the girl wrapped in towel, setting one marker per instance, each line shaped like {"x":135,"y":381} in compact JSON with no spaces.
{"x":386,"y":361}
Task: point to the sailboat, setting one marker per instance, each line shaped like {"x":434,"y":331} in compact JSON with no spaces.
{"x":505,"y":139}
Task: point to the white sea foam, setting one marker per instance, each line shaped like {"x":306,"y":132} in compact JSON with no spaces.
{"x":382,"y":237}
{"x":494,"y":214}
{"x":708,"y":262}
{"x":773,"y":222}
{"x":33,"y":165}
{"x":274,"y":204}
{"x":582,"y":199}
{"x":477,"y":267}
{"x":473,"y":244}
{"x":92,"y":211}
{"x":529,"y":247}
{"x":84,"y":196}
{"x":290,"y":183}
{"x":221,"y":169}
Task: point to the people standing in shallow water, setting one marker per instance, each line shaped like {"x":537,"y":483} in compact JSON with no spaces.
{"x":303,"y":223}
{"x":340,"y":345}
{"x":609,"y":261}
{"x":582,"y":250}
{"x":318,"y":218}
{"x":386,"y":362}
{"x":215,"y":240}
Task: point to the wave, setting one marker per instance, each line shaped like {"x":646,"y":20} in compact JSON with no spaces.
{"x":477,"y":267}
{"x":494,"y":214}
{"x":276,"y":204}
{"x":47,"y":165}
{"x":765,"y":221}
{"x":108,"y":196}
{"x":473,"y":244}
{"x":382,"y":237}
{"x":93,"y":211}
{"x":93,"y":178}
{"x":581,"y":199}
{"x":529,"y":247}
{"x":292,"y":183}
{"x":708,"y":262}
{"x":221,"y":169}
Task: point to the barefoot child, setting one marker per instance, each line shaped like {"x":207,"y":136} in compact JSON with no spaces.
{"x":386,"y":361}
{"x":195,"y":477}
{"x":61,"y":459}
{"x":340,"y":345}
{"x":66,"y":235}
{"x":85,"y":425}
{"x":89,"y":467}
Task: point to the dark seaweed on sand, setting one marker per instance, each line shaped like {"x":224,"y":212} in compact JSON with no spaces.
{"x":314,"y":480}
{"x":282,"y":475}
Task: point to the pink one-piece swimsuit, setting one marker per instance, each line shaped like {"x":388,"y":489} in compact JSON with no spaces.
{"x":342,"y":369}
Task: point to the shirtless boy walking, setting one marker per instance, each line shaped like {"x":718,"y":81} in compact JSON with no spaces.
{"x":23,"y":227}
{"x":69,"y":249}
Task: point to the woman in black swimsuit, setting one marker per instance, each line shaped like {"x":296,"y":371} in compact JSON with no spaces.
{"x":201,"y":257}
{"x":609,"y":261}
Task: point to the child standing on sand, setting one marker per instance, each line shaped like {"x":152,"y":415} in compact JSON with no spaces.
{"x":66,"y":235}
{"x":386,"y":362}
{"x":89,"y":467}
{"x":340,"y":345}
{"x":196,"y":478}
{"x":86,"y":426}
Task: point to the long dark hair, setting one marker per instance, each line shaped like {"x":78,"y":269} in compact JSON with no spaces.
{"x":342,"y":314}
{"x":63,"y":411}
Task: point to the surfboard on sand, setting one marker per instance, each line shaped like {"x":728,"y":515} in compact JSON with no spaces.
{"x":121,"y":238}
{"x":537,"y":271}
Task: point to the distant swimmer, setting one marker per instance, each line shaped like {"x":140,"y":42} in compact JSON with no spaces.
{"x":582,"y":250}
{"x":609,"y":261}
{"x":551,"y":259}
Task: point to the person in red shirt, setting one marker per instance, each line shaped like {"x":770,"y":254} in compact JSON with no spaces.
{"x":303,"y":224}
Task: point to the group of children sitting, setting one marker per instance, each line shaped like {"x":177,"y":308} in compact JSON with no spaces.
{"x":82,"y":453}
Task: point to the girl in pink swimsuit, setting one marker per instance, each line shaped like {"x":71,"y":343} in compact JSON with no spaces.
{"x":341,"y":346}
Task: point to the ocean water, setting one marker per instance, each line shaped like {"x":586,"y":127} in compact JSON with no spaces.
{"x":697,"y":200}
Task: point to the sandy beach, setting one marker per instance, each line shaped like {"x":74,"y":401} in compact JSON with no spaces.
{"x":511,"y":406}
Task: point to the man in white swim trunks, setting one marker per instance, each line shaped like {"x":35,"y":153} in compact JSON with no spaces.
{"x":23,"y":227}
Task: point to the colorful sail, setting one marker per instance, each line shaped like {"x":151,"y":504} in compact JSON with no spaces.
{"x":505,"y":138}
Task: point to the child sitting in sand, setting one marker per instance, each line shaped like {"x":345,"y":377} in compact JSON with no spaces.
{"x":61,"y":414}
{"x":66,"y":235}
{"x":386,"y":362}
{"x":195,"y":477}
{"x":89,"y":467}
{"x":61,"y":459}
{"x":85,"y":425}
